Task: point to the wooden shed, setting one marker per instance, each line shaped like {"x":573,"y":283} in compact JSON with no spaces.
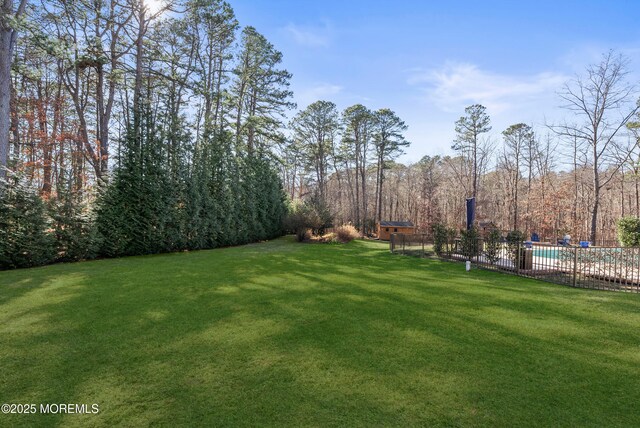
{"x":386,"y":228}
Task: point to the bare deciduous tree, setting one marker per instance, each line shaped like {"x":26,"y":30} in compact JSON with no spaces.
{"x":602,"y":104}
{"x":518,"y":140}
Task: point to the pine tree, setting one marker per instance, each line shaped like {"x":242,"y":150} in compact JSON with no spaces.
{"x":25,"y":235}
{"x":467,"y":142}
{"x":389,"y":141}
{"x":260,"y":93}
{"x":73,"y":224}
{"x":134,"y":210}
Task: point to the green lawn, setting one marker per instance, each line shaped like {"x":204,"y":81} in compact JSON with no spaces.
{"x":281,"y":333}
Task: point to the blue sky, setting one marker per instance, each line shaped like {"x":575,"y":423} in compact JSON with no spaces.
{"x":428,"y":60}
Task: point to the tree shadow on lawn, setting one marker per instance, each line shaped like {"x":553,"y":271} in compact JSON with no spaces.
{"x":310,"y":337}
{"x":541,"y":367}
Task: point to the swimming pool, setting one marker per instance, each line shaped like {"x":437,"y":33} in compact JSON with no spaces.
{"x":595,"y":253}
{"x":546,"y":252}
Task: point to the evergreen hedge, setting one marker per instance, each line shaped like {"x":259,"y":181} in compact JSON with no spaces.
{"x":149,"y":206}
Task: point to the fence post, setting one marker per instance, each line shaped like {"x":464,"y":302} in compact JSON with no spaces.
{"x":403,"y":241}
{"x":575,"y":266}
{"x":518,"y":259}
{"x":422,"y":245}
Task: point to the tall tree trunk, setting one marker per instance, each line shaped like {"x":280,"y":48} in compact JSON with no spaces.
{"x":637,"y":188}
{"x":240,"y":100}
{"x":5,"y":95}
{"x":252,"y":112}
{"x":363,"y":169}
{"x":474,"y":192}
{"x":104,"y":114}
{"x":596,"y":204}
{"x":575,"y":187}
{"x":357,"y":193}
{"x":376,"y":202}
{"x":380,"y":184}
{"x":137,"y":88}
{"x":45,"y":141}
{"x":622,"y":191}
{"x":8,"y":36}
{"x":350,"y":192}
{"x":15,"y":121}
{"x":217,"y":116}
{"x":515,"y":207}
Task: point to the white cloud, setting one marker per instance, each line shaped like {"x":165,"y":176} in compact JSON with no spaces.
{"x":456,"y":85}
{"x":316,"y":92}
{"x":309,"y":36}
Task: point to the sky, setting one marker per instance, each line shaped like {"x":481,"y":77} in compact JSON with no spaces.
{"x":428,"y":60}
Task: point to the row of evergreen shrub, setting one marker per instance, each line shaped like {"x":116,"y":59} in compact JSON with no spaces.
{"x":444,"y":237}
{"x":145,"y":209}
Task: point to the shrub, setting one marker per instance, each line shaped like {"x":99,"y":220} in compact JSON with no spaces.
{"x":442,"y":238}
{"x":492,"y":246}
{"x":304,"y":236}
{"x":322,"y":215}
{"x":470,"y":242}
{"x":74,"y":227}
{"x":313,"y":215}
{"x":515,"y":245}
{"x":25,"y":238}
{"x":346,"y":233}
{"x":302,"y":218}
{"x":451,"y":236}
{"x":439,"y":238}
{"x":628,"y":229}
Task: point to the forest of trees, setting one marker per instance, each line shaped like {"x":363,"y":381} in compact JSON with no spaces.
{"x":134,"y":131}
{"x":126,"y":129}
{"x":578,"y":176}
{"x":332,"y":157}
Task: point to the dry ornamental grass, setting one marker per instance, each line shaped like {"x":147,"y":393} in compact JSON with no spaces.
{"x":346,"y":233}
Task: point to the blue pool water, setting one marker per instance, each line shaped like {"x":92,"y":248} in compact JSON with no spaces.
{"x":549,"y":253}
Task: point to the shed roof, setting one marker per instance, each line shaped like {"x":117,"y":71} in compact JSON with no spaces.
{"x":385,"y":223}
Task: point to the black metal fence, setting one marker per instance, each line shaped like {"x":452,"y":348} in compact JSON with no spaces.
{"x":603,"y":268}
{"x":419,"y":245}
